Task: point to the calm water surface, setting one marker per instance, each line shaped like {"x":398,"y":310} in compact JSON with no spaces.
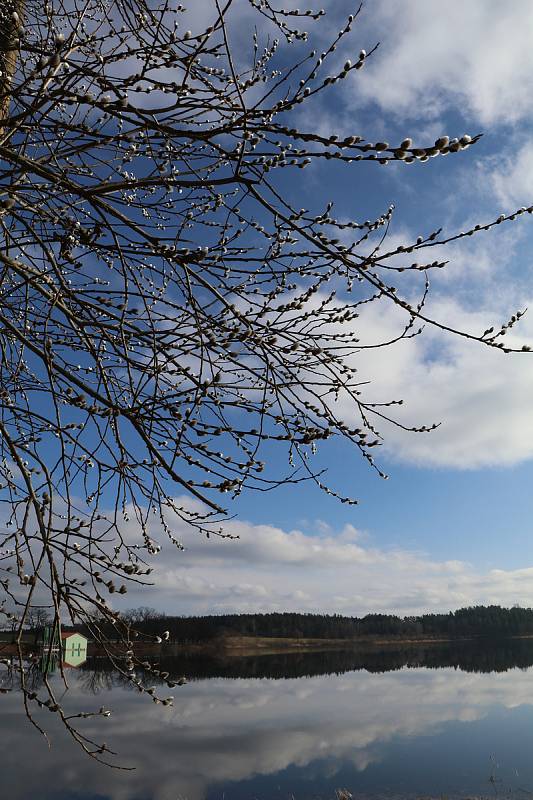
{"x":454,"y":722}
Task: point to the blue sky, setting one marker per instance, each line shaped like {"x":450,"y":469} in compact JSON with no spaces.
{"x":452,"y":525}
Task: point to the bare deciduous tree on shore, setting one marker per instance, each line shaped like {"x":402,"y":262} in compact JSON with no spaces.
{"x":167,"y":314}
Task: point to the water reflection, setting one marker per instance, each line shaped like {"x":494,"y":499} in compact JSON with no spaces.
{"x":402,"y":732}
{"x":469,"y":656}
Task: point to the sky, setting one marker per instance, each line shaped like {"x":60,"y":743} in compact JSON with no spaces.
{"x":453,"y":524}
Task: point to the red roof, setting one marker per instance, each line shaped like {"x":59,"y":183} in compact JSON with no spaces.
{"x":67,"y":634}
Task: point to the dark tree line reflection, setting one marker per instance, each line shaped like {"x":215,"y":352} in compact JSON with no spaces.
{"x":98,"y":674}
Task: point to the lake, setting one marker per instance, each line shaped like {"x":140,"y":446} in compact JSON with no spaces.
{"x":454,"y":721}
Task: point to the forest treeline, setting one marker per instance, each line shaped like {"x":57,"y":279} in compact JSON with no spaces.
{"x":472,"y":621}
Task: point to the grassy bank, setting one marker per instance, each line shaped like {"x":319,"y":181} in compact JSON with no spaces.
{"x":240,"y":646}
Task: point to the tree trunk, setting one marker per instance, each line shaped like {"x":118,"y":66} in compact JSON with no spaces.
{"x":10,"y":21}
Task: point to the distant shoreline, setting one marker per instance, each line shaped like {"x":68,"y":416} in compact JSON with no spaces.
{"x":255,"y":645}
{"x":228,"y":647}
{"x":241,"y":646}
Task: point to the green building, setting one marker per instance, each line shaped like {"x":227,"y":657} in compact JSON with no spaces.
{"x":49,"y":638}
{"x":69,"y":647}
{"x":74,"y":648}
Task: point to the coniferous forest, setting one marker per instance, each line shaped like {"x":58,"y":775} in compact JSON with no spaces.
{"x":473,"y":621}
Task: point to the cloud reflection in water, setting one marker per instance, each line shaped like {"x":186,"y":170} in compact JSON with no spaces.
{"x":222,"y":731}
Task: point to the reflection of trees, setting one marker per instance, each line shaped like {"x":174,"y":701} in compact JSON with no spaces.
{"x":10,"y":676}
{"x":34,"y":677}
{"x":485,"y":656}
{"x":96,"y":680}
{"x":100,"y":674}
{"x":482,"y":657}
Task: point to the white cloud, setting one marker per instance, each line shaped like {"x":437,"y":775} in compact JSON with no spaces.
{"x":474,"y":55}
{"x":269,"y":569}
{"x":481,"y":396}
{"x":511,"y":176}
